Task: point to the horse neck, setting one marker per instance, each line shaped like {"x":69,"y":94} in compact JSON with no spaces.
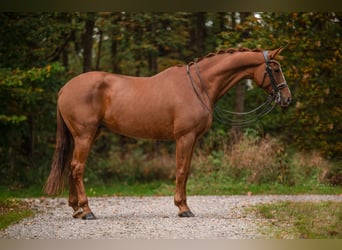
{"x":221,"y":72}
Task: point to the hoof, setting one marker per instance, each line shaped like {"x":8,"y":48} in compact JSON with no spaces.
{"x":186,"y":214}
{"x":89,"y":216}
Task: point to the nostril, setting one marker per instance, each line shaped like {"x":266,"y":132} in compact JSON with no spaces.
{"x":289,"y":100}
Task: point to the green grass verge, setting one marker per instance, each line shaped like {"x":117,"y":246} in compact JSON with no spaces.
{"x":154,"y":188}
{"x":209,"y":185}
{"x":301,"y":220}
{"x":12,"y":211}
{"x":7,"y":192}
{"x":224,"y":186}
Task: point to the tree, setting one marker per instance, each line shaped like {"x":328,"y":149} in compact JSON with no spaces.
{"x":311,"y":62}
{"x":28,"y":86}
{"x":147,"y":39}
{"x":87,"y":41}
{"x":25,"y":120}
{"x":33,"y":46}
{"x":239,"y":105}
{"x":198,"y":33}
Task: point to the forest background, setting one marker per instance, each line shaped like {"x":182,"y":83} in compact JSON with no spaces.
{"x":40,"y":52}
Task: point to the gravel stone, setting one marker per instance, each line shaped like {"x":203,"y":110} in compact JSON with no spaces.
{"x":216,"y":217}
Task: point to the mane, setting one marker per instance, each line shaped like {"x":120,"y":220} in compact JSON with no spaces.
{"x":228,"y":51}
{"x":222,"y":51}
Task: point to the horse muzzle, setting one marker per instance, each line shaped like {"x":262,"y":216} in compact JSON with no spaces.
{"x":285,"y":102}
{"x":281,"y":100}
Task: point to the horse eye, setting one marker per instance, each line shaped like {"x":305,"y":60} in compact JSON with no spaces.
{"x":276,"y":70}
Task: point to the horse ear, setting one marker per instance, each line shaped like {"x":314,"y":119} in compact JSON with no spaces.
{"x":272,"y":54}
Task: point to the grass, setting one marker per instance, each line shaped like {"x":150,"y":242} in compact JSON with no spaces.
{"x":210,"y":184}
{"x":220,"y":185}
{"x":301,"y":220}
{"x":254,"y":165}
{"x":12,"y":211}
{"x":8,"y":192}
{"x":154,"y":188}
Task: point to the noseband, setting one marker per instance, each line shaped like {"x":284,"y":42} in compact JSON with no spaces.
{"x":276,"y":87}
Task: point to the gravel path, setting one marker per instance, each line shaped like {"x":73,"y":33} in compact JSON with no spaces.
{"x":216,"y":217}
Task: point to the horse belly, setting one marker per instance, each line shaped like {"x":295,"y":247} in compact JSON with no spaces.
{"x":140,"y":120}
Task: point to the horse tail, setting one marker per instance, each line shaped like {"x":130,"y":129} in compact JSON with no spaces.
{"x":61,"y":158}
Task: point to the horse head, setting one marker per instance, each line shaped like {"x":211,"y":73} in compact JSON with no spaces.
{"x":270,"y":77}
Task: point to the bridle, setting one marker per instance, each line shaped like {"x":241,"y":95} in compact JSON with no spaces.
{"x":276,"y":87}
{"x":263,"y":109}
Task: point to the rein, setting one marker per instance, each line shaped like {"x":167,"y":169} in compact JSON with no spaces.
{"x":224,"y":116}
{"x":194,"y":86}
{"x":260,"y":111}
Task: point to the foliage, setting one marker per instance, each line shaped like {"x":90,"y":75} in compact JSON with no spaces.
{"x":12,"y":211}
{"x":149,"y":37}
{"x":33,"y":46}
{"x":302,"y":220}
{"x":32,"y":39}
{"x":311,"y":63}
{"x":253,"y":164}
{"x":257,"y":159}
{"x":27,"y":103}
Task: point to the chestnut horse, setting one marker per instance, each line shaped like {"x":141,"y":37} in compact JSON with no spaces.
{"x":175,"y":104}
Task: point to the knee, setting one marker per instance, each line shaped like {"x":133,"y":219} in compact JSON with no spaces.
{"x":181,"y":173}
{"x":76,"y":170}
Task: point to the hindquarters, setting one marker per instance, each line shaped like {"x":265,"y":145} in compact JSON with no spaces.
{"x":78,"y":117}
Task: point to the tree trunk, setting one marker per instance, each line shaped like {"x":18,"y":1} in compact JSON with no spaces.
{"x":239,"y":105}
{"x":198,"y":33}
{"x":99,"y":50}
{"x":114,"y":52}
{"x":65,"y":58}
{"x":114,"y":45}
{"x":87,"y":41}
{"x":222,"y":19}
{"x":153,"y":63}
{"x":153,"y":55}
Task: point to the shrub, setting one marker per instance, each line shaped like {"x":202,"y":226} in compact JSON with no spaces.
{"x":313,"y":164}
{"x":257,"y":159}
{"x":253,"y":159}
{"x":133,"y":161}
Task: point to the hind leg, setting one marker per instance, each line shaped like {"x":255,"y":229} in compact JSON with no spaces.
{"x":73,"y":194}
{"x":73,"y":200}
{"x":77,"y":197}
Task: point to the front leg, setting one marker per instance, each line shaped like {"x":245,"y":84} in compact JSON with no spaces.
{"x":184,"y":150}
